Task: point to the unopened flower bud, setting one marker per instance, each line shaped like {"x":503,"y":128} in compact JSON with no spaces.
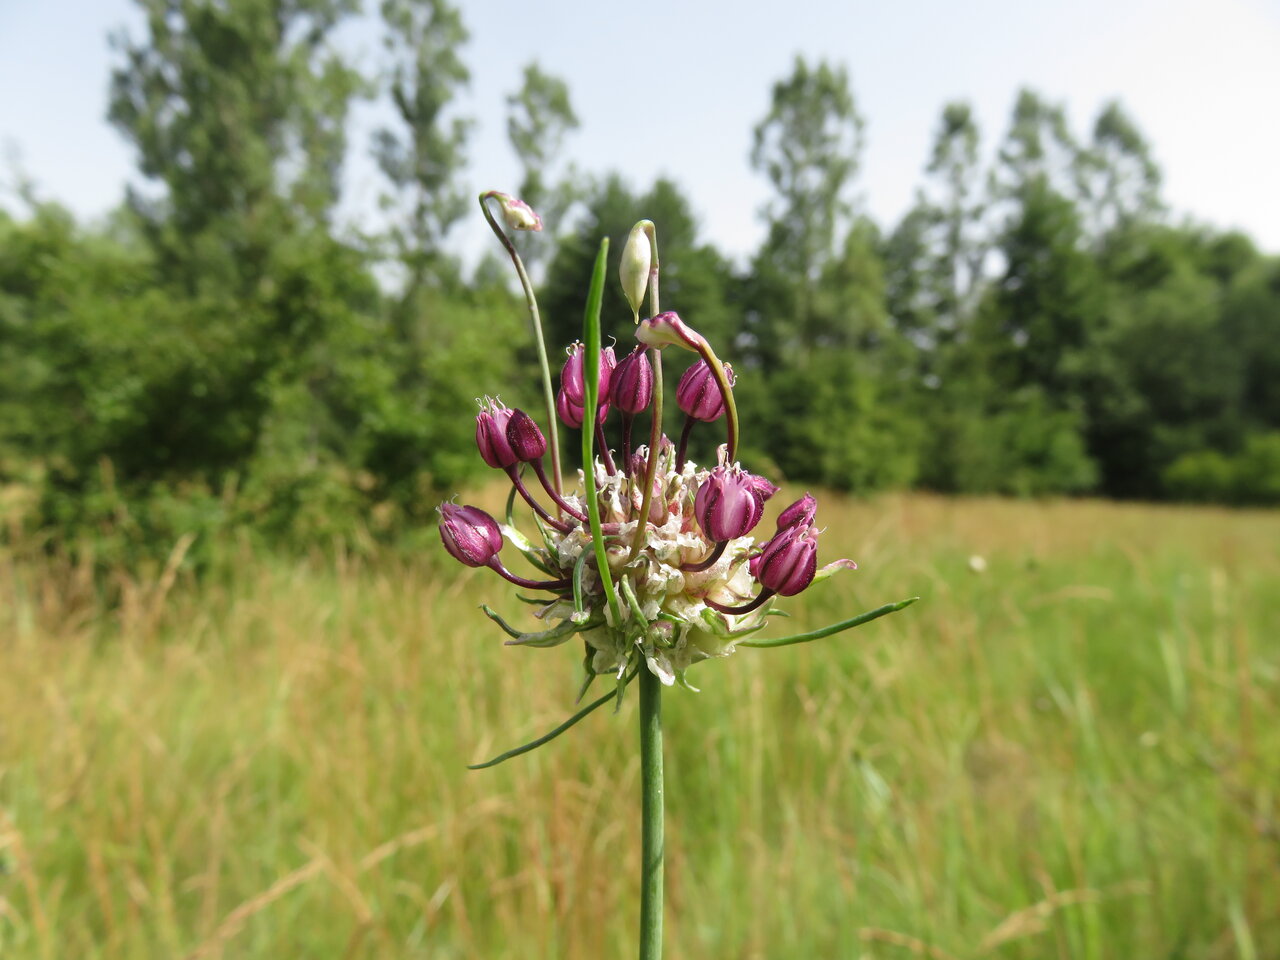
{"x":727,"y":505}
{"x":637,"y":259}
{"x":525,"y":437}
{"x":667,"y":329}
{"x":789,"y":561}
{"x":631,"y":389}
{"x":517,"y":214}
{"x":572,"y":415}
{"x":491,"y":436}
{"x":699,"y":394}
{"x":573,"y":375}
{"x":469,"y":534}
{"x":799,"y":514}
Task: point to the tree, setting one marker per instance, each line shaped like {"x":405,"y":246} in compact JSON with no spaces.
{"x":238,"y":110}
{"x":809,"y":146}
{"x":1119,"y":180}
{"x":422,"y":161}
{"x":539,"y":117}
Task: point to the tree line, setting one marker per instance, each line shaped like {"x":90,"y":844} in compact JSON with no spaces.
{"x":220,"y":353}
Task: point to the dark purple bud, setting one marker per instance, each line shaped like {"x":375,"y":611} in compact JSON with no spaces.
{"x":491,"y":436}
{"x":526,"y":439}
{"x":727,"y":505}
{"x":631,"y":389}
{"x":799,"y":514}
{"x":469,"y":534}
{"x":573,"y":376}
{"x":789,"y":561}
{"x":698,"y":393}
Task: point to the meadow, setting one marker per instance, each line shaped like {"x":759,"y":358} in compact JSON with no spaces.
{"x":1070,"y":749}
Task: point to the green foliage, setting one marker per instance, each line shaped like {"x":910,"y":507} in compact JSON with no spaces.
{"x":1251,"y":476}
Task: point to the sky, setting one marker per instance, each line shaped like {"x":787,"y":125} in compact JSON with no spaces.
{"x":675,"y":88}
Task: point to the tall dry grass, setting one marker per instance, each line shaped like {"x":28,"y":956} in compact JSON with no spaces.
{"x":1072,"y":754}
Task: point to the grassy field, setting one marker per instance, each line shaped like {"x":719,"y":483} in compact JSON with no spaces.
{"x":1075,"y":753}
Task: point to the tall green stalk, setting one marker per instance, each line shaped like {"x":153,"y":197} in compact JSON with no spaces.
{"x":549,"y":396}
{"x":651,"y":816}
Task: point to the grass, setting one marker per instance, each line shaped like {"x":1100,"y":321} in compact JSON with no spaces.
{"x":1073,"y":754}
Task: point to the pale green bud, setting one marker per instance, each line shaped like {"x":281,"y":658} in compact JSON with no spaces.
{"x":637,"y":257}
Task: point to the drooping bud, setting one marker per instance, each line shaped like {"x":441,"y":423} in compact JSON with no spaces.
{"x":517,"y":214}
{"x":667,"y":329}
{"x":637,"y":259}
{"x":799,"y":514}
{"x":763,"y":487}
{"x":727,"y":505}
{"x":469,"y":534}
{"x":631,"y":389}
{"x":573,"y":375}
{"x":491,"y":435}
{"x":525,"y":436}
{"x":699,"y":394}
{"x":789,"y":561}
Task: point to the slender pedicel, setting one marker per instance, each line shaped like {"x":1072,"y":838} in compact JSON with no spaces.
{"x":538,"y":508}
{"x":716,"y":553}
{"x":745,"y":608}
{"x":496,"y":565}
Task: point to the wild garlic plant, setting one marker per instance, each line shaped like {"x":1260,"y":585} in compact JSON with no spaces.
{"x":653,"y":561}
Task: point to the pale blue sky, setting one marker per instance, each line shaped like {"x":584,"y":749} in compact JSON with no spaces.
{"x":675,"y":88}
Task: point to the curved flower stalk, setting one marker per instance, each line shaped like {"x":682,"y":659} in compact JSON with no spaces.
{"x":654,"y":562}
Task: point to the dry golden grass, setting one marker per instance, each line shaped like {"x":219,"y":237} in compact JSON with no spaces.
{"x":1072,"y":754}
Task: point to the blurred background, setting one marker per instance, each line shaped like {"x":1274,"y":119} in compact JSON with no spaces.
{"x":999,"y":279}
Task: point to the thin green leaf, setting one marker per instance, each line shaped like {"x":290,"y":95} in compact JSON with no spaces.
{"x":546,"y":738}
{"x":591,"y":373}
{"x":506,"y":627}
{"x":834,"y":628}
{"x":554,"y":636}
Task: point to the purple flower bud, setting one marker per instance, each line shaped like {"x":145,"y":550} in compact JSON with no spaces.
{"x":573,"y":375}
{"x":727,"y":505}
{"x":699,"y":395}
{"x":632,"y":388}
{"x":518,"y":214}
{"x":469,"y":534}
{"x":763,"y":488}
{"x":526,"y":439}
{"x":572,"y":415}
{"x":667,"y":329}
{"x":789,"y":561}
{"x":799,"y":514}
{"x":491,"y":436}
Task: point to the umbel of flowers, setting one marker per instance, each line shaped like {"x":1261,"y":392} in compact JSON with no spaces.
{"x":652,"y":561}
{"x":656,"y":562}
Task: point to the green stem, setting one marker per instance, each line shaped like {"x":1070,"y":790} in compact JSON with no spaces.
{"x":553,"y":429}
{"x":655,"y":428}
{"x":651,"y":815}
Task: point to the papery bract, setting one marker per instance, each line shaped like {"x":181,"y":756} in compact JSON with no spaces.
{"x":637,"y":259}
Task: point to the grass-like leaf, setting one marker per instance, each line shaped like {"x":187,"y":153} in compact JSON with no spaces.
{"x":547,"y":737}
{"x":834,"y":628}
